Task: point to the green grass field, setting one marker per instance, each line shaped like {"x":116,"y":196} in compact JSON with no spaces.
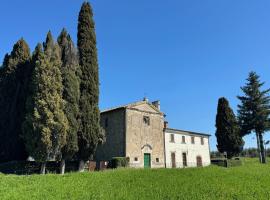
{"x":250,"y":181}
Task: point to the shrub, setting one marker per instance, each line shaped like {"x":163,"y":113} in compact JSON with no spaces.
{"x":117,"y":162}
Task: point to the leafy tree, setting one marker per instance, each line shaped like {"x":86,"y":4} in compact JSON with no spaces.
{"x":227,"y":130}
{"x":254,"y":110}
{"x":71,"y":94}
{"x":14,"y":79}
{"x":46,"y":125}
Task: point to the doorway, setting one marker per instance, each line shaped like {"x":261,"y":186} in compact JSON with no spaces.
{"x":147,"y":160}
{"x":173,"y":160}
{"x":199,"y":161}
{"x":184,"y":157}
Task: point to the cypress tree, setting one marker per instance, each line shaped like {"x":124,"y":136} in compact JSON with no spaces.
{"x":71,"y":94}
{"x":227,"y":130}
{"x":90,"y":131}
{"x":13,"y":87}
{"x":254,"y":110}
{"x":46,"y":125}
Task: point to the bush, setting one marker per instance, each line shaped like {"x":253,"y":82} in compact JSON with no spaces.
{"x":117,"y":162}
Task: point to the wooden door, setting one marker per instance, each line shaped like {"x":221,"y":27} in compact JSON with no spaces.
{"x":184,"y":157}
{"x":147,"y":160}
{"x":199,"y":161}
{"x":173,"y":160}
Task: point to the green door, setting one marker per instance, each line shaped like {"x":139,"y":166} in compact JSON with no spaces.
{"x":147,"y":160}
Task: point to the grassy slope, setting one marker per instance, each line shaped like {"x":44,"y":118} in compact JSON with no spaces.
{"x":251,"y":181}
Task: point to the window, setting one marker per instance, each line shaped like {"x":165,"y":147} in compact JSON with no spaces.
{"x":202,"y":141}
{"x":183,"y":139}
{"x":192,"y":140}
{"x":106,"y":122}
{"x":136,"y":159}
{"x":157,"y":159}
{"x":146,"y":120}
{"x":172,"y":138}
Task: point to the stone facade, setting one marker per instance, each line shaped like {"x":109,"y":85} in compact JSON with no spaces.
{"x":133,"y":131}
{"x":145,"y":137}
{"x":114,"y":124}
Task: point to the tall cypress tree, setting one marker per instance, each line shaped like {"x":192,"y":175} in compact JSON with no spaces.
{"x":46,"y":125}
{"x":71,"y":94}
{"x":254,"y":110}
{"x":227,"y":130}
{"x":13,"y":86}
{"x":90,"y":131}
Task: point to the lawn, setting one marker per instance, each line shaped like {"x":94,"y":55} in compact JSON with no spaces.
{"x":250,"y":181}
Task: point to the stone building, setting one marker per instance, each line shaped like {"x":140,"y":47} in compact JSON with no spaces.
{"x":138,"y":131}
{"x":134,"y":131}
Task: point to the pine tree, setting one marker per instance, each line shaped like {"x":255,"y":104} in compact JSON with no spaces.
{"x":71,"y":94}
{"x":13,"y":87}
{"x":90,"y":131}
{"x":254,"y":110}
{"x":46,"y":125}
{"x":227,"y":130}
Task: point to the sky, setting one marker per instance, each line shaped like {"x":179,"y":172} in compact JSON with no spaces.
{"x":185,"y":53}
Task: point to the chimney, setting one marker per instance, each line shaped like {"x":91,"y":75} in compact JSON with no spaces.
{"x":166,"y":124}
{"x":156,"y":104}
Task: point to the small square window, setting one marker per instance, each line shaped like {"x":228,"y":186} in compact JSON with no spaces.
{"x":192,"y":140}
{"x":202,"y":141}
{"x":183,"y":139}
{"x":136,"y":159}
{"x":146,"y":120}
{"x":157,"y":159}
{"x":172,"y":138}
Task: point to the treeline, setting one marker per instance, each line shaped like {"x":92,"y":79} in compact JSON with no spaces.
{"x":252,"y":117}
{"x":49,"y":98}
{"x":249,"y":153}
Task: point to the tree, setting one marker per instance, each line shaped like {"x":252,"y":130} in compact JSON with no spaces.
{"x":46,"y":125}
{"x":227,"y":130}
{"x":90,"y":132}
{"x":71,"y":94}
{"x":14,"y":82}
{"x":254,"y":110}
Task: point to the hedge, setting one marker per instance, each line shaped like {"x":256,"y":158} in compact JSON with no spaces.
{"x":117,"y":162}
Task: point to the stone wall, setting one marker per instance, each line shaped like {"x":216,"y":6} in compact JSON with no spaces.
{"x":143,"y":137}
{"x":114,"y":124}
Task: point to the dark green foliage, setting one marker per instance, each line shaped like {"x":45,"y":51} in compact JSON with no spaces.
{"x":227,"y":130}
{"x":46,"y":125}
{"x":32,"y":167}
{"x":71,"y":92}
{"x":254,"y":110}
{"x":117,"y":162}
{"x":14,"y":80}
{"x":90,"y":132}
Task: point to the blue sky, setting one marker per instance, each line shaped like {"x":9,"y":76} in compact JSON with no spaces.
{"x":186,"y":53}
